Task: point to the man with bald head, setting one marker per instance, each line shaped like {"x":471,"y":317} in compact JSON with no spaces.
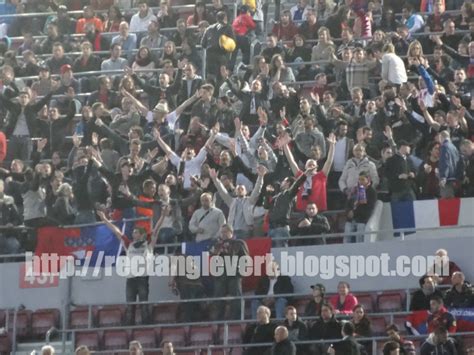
{"x":282,"y":345}
{"x":461,"y":294}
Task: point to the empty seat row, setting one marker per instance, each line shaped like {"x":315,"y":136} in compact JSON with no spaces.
{"x":33,"y":324}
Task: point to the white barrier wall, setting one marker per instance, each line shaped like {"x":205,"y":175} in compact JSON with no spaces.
{"x":112,"y":289}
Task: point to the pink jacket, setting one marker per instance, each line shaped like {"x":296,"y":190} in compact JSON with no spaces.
{"x":349,"y":303}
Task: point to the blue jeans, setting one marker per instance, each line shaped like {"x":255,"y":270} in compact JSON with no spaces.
{"x":167,"y":236}
{"x":353,"y":226}
{"x":242,"y":234}
{"x":279,"y":232}
{"x":280,"y":307}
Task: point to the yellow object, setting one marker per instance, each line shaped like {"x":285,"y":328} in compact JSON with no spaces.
{"x":227,"y":43}
{"x":252,"y":4}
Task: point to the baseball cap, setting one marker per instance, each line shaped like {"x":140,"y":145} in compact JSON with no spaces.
{"x":64,"y":68}
{"x":319,"y":287}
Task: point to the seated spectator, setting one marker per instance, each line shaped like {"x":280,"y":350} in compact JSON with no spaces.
{"x":282,"y":345}
{"x":142,"y":19}
{"x":461,"y":294}
{"x":324,"y":50}
{"x":272,"y":285}
{"x":153,"y":38}
{"x":309,"y":27}
{"x":9,"y":217}
{"x":261,"y":332}
{"x":412,"y":20}
{"x":420,"y":299}
{"x":344,"y":302}
{"x":439,"y":316}
{"x":167,"y":346}
{"x":297,"y":329}
{"x":362,"y":327}
{"x":114,"y":19}
{"x":360,"y":206}
{"x":126,"y":40}
{"x":285,"y":30}
{"x":406,"y":346}
{"x":313,"y":308}
{"x":89,"y":17}
{"x":271,"y":48}
{"x":348,"y":345}
{"x":200,"y":14}
{"x":58,"y":59}
{"x":115,"y":62}
{"x":439,"y":342}
{"x":443,"y":268}
{"x":325,"y":328}
{"x":391,"y":348}
{"x":135,"y":348}
{"x":82,"y":350}
{"x":299,"y":11}
{"x":144,"y":61}
{"x":312,"y":224}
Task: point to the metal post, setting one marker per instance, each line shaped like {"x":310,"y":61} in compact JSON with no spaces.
{"x":14,"y":331}
{"x":204,"y":57}
{"x":242,"y":309}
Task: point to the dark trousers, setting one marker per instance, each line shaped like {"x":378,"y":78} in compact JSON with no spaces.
{"x":19,"y":147}
{"x":137,"y":287}
{"x":228,"y":286}
{"x":243,"y":43}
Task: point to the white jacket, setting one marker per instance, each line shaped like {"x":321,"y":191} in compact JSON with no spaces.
{"x":138,"y":24}
{"x":351,"y":171}
{"x":393,"y":69}
{"x":248,"y":204}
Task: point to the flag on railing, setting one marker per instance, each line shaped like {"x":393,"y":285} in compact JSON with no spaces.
{"x":417,"y":322}
{"x":429,"y":213}
{"x":464,"y":319}
{"x":94,"y":243}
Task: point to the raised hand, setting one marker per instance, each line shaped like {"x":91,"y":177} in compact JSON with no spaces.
{"x":388,"y":132}
{"x":151,"y":154}
{"x":237,"y":124}
{"x":99,"y":122}
{"x":331,"y":138}
{"x":262,"y":116}
{"x":41,"y":144}
{"x":76,"y":140}
{"x":315,"y":97}
{"x":261,"y":170}
{"x":213,"y":174}
{"x":128,"y":71}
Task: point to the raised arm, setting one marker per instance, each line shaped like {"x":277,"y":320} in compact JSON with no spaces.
{"x":261,"y":171}
{"x":117,"y":232}
{"x":223,"y":193}
{"x":429,"y":119}
{"x":291,"y":159}
{"x":141,"y":108}
{"x":156,"y":229}
{"x":181,"y":108}
{"x":332,"y":142}
{"x":166,"y":148}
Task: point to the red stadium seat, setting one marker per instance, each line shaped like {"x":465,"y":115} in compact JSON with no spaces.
{"x":115,"y":340}
{"x":110,"y":316}
{"x":389,"y":302}
{"x":201,"y":335}
{"x":90,"y":339}
{"x":301,"y":305}
{"x":23,"y":323}
{"x":5,"y":344}
{"x":399,"y":321}
{"x":234,"y":334}
{"x":42,"y":320}
{"x":177,"y":335}
{"x":3,"y":318}
{"x":378,"y":325}
{"x":365,"y":299}
{"x":147,"y":337}
{"x":165,"y":313}
{"x":79,"y":318}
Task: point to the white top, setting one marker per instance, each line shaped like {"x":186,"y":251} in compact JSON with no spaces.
{"x":171,"y":118}
{"x":340,"y":155}
{"x":393,"y":69}
{"x":191,"y":167}
{"x":138,"y":24}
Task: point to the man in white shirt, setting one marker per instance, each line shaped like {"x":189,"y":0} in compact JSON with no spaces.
{"x":141,"y":20}
{"x":206,"y":221}
{"x":393,"y":68}
{"x":115,"y":62}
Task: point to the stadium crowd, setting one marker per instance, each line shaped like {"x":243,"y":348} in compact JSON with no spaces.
{"x":349,"y":100}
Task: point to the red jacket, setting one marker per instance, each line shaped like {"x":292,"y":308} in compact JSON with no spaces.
{"x":442,"y":318}
{"x":243,"y":24}
{"x":3,"y":146}
{"x":285,"y":33}
{"x":349,"y":303}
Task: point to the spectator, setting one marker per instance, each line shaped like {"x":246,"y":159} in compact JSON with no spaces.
{"x":439,"y":341}
{"x":230,"y":283}
{"x":412,"y":20}
{"x":393,"y":68}
{"x":135,"y":348}
{"x":144,"y":61}
{"x":206,"y":221}
{"x":325,"y":328}
{"x":350,"y":177}
{"x":272,"y":285}
{"x":58,"y":59}
{"x":243,"y":25}
{"x":126,"y":40}
{"x":391,"y":348}
{"x":297,"y":329}
{"x":271,"y":49}
{"x":310,"y":137}
{"x":9,"y":217}
{"x":309,"y":27}
{"x":401,"y":174}
{"x":283,"y":345}
{"x":450,"y":166}
{"x":114,"y":18}
{"x":406,"y":346}
{"x":285,"y":30}
{"x":443,"y":268}
{"x":260,"y":332}
{"x":313,"y":308}
{"x":420,"y":299}
{"x":89,"y":17}
{"x":82,"y":350}
{"x":64,"y":210}
{"x":142,"y":19}
{"x":115,"y":62}
{"x":167,"y":348}
{"x":344,"y":302}
{"x":360,"y":206}
{"x":348,"y":345}
{"x":439,"y":316}
{"x":153,"y":39}
{"x":428,"y":174}
{"x":299,"y":11}
{"x":362,"y":326}
{"x":461,"y":294}
{"x":137,"y":286}
{"x":312,"y":224}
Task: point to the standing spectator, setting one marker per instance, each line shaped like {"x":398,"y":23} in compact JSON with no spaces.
{"x":393,"y":68}
{"x":9,"y":217}
{"x":439,"y":342}
{"x":360,"y":206}
{"x":309,"y":138}
{"x":420,"y":299}
{"x":272,"y":285}
{"x":260,"y":332}
{"x":89,"y":17}
{"x":428,"y":174}
{"x":312,"y":224}
{"x":348,"y":345}
{"x":344,"y":302}
{"x":216,"y":54}
{"x":450,"y":166}
{"x":229,"y":284}
{"x":401,"y":174}
{"x":299,"y":12}
{"x":243,"y":25}
{"x":350,"y":177}
{"x":439,"y":316}
{"x":136,"y":286}
{"x":283,"y":345}
{"x":3,"y":147}
{"x":142,"y":19}
{"x":206,"y":222}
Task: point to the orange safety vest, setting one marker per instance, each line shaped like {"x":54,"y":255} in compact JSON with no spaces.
{"x":145,"y":212}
